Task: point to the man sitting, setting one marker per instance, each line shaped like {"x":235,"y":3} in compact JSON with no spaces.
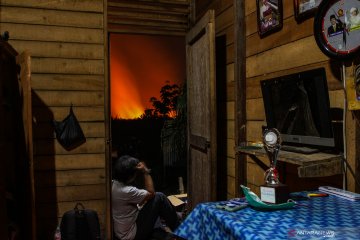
{"x":135,"y":210}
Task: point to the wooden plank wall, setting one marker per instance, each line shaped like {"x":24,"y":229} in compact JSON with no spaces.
{"x":224,"y":27}
{"x":292,"y":49}
{"x":161,"y":17}
{"x":66,"y":43}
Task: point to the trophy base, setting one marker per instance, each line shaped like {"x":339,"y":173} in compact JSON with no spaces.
{"x":274,"y":193}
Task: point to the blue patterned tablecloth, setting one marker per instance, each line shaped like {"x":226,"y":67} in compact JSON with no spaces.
{"x":318,"y":218}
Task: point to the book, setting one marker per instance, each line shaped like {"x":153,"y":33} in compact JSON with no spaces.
{"x":232,"y":205}
{"x":340,"y":193}
{"x":177,"y":200}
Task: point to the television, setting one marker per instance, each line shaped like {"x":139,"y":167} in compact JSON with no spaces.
{"x":298,"y":106}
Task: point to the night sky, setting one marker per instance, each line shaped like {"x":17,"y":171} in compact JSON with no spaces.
{"x":139,"y":66}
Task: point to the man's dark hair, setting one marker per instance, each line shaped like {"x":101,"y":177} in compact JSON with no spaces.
{"x":124,"y":168}
{"x":332,"y":16}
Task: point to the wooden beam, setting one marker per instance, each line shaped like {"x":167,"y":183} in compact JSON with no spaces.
{"x":66,"y":98}
{"x":26,"y":15}
{"x":70,"y":5}
{"x":290,"y":32}
{"x":158,"y":8}
{"x":352,"y":128}
{"x":153,"y":24}
{"x":305,"y":50}
{"x":240,"y":89}
{"x":85,"y":113}
{"x":177,"y":2}
{"x":52,"y":33}
{"x":150,"y":31}
{"x":107,"y":110}
{"x":67,"y":66}
{"x":90,"y":129}
{"x":60,"y":49}
{"x":148,"y":16}
{"x":71,"y":193}
{"x":70,"y":162}
{"x":48,"y":147}
{"x":70,"y":178}
{"x":62,"y":207}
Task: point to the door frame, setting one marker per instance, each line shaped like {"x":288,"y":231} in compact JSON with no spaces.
{"x":108,"y":148}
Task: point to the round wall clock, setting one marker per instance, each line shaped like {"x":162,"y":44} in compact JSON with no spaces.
{"x":337,"y":28}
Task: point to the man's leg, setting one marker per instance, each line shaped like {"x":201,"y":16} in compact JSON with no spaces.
{"x":159,"y":206}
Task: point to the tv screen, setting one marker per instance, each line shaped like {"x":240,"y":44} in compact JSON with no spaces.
{"x":298,"y":106}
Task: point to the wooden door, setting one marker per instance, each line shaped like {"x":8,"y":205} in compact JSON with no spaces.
{"x":200,"y":56}
{"x":24,"y":61}
{"x":16,"y":181}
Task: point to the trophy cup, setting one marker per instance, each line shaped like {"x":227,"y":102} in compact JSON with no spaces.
{"x":273,"y":191}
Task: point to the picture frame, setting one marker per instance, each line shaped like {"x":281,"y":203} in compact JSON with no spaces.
{"x":269,"y":16}
{"x":304,"y":9}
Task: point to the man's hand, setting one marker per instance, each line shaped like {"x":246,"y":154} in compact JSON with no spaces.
{"x":142,"y":168}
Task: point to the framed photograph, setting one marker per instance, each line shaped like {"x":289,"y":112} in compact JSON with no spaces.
{"x":305,"y":8}
{"x":269,"y":16}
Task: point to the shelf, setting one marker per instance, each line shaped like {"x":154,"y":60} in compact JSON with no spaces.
{"x":309,"y":165}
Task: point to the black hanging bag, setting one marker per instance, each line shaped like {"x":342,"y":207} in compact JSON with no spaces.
{"x":80,"y":224}
{"x":68,"y":132}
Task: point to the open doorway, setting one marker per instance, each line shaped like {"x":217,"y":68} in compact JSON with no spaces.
{"x":147,"y":77}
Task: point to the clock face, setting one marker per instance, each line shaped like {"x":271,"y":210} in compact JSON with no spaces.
{"x":337,"y":27}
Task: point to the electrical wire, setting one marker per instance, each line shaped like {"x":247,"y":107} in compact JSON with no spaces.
{"x":351,"y":171}
{"x":344,"y":127}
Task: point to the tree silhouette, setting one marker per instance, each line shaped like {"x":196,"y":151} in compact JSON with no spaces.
{"x":165,"y":107}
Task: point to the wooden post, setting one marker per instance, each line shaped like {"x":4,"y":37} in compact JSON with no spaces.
{"x":352,"y":128}
{"x":240,"y":91}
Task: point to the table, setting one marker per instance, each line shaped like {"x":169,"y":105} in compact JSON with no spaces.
{"x":318,"y":218}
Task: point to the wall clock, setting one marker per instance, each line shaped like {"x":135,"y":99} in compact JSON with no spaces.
{"x":337,"y":28}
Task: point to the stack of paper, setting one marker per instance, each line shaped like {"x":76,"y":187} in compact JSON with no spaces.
{"x":340,"y":193}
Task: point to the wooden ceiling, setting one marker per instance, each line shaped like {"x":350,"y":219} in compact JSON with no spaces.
{"x":158,"y":17}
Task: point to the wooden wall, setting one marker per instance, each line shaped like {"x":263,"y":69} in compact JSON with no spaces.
{"x":292,"y":49}
{"x":66,"y":40}
{"x":162,"y":17}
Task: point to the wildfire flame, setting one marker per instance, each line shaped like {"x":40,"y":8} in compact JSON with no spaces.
{"x":139,"y":67}
{"x":125,"y":97}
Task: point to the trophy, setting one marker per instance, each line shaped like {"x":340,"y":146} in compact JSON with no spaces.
{"x":273,"y":191}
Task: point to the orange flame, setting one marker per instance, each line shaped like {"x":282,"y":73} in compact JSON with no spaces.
{"x":125,"y":98}
{"x":139,"y":67}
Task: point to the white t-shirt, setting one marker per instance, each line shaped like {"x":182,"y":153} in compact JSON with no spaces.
{"x":125,"y":200}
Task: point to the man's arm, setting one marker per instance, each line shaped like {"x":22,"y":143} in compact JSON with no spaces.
{"x":148,"y":182}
